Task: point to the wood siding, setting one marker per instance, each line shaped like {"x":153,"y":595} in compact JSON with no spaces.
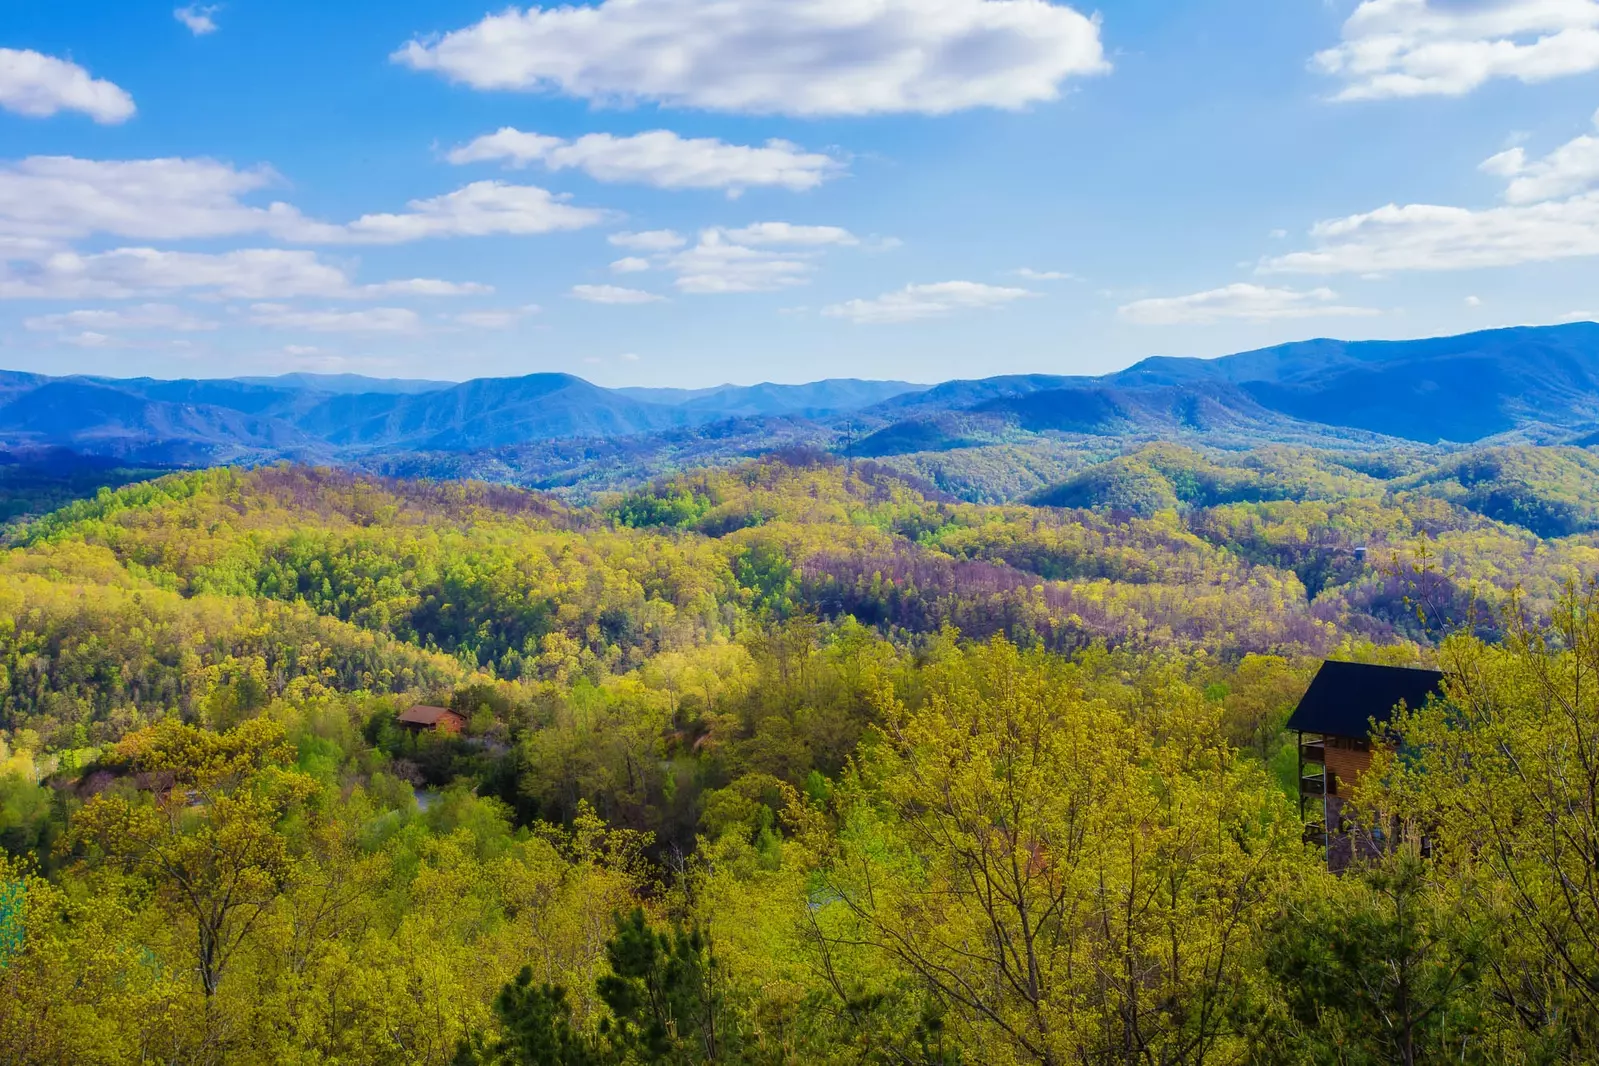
{"x":1345,"y":764}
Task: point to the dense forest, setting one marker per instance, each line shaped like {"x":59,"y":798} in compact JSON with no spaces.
{"x":802,"y":760}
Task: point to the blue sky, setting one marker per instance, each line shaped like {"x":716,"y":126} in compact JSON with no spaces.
{"x":675,"y":192}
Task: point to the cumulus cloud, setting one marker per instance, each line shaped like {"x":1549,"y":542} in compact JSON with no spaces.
{"x":1433,"y":237}
{"x":717,"y":264}
{"x":660,"y":158}
{"x":199,"y":19}
{"x":39,"y":86}
{"x":253,"y":273}
{"x":143,"y":316}
{"x":1029,"y":274}
{"x":1250,"y":303}
{"x":763,"y":257}
{"x":655,"y":240}
{"x":481,"y":209}
{"x":1394,"y":48}
{"x":805,"y":57}
{"x":1551,"y":212}
{"x":630,"y":264}
{"x":614,"y":294}
{"x":61,"y":197}
{"x":926,"y":301}
{"x":1571,"y":168}
{"x":368,"y":320}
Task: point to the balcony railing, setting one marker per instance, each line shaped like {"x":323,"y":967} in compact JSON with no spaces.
{"x":1313,"y":785}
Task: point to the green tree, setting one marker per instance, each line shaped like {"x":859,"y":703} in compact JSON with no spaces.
{"x":536,"y":1029}
{"x":1375,"y":967}
{"x":209,"y":839}
{"x":663,"y":991}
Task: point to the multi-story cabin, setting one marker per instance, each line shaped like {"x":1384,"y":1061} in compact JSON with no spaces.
{"x":1339,"y":719}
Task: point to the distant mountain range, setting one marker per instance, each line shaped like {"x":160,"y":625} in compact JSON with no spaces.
{"x":1529,"y":383}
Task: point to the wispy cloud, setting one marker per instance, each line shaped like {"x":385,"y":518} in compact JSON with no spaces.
{"x":926,"y":301}
{"x":614,"y":294}
{"x":200,"y":19}
{"x":660,"y":158}
{"x":1245,"y":302}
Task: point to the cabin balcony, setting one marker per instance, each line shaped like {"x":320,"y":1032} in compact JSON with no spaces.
{"x":1313,"y":784}
{"x":1314,"y":751}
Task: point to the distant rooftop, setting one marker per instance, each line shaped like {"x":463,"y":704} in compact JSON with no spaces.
{"x":421,"y":715}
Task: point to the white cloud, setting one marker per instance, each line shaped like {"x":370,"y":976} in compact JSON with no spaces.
{"x":60,"y":197}
{"x":481,"y":209}
{"x":501,"y":319}
{"x":39,"y":86}
{"x":1473,"y":301}
{"x":660,"y":158}
{"x":91,"y":339}
{"x":629,"y":357}
{"x":420,"y":287}
{"x":143,"y":316}
{"x":804,"y":57}
{"x":254,"y":273}
{"x":926,"y":301}
{"x":718,"y":265}
{"x":773,"y":233}
{"x":1254,"y":303}
{"x":198,"y":18}
{"x":1029,"y":274}
{"x":614,"y":294}
{"x":1571,"y":168}
{"x":761,"y":257}
{"x":655,"y":240}
{"x":1552,"y":213}
{"x":369,"y":320}
{"x":1394,"y":48}
{"x":301,"y":349}
{"x":1432,"y":237}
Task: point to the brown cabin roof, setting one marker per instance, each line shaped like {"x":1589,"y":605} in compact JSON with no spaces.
{"x":424,"y":715}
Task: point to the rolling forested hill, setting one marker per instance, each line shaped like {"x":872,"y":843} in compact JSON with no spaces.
{"x":797,"y":747}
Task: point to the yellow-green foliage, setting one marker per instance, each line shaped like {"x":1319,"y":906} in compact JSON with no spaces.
{"x":896,"y":778}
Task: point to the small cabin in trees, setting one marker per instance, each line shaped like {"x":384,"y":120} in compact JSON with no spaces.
{"x":1335,"y":721}
{"x":423,"y":719}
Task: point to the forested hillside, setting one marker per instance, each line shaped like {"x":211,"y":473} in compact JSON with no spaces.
{"x":801,"y":760}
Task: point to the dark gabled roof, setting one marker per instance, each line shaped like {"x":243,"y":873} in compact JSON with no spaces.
{"x":421,"y":715}
{"x":1344,"y":697}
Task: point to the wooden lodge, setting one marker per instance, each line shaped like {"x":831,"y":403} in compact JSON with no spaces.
{"x":424,"y":719}
{"x":1346,"y":704}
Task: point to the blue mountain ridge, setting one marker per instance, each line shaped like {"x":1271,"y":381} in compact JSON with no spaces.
{"x":1541,"y":381}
